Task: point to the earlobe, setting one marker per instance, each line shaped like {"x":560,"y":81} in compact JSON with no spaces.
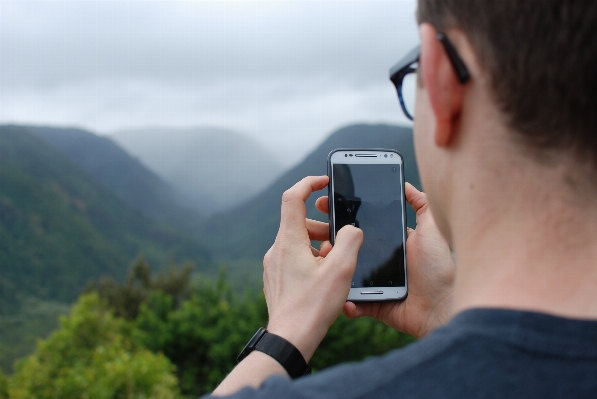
{"x":442,"y":85}
{"x":443,"y":134}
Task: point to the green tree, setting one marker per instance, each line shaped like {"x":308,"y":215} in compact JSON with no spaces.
{"x":350,"y":340}
{"x":126,"y":299}
{"x":92,"y":356}
{"x":204,"y":335}
{"x":3,"y":386}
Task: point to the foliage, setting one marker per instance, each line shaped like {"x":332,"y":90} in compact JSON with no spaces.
{"x":168,"y":325}
{"x":203,"y":336}
{"x":3,"y":386}
{"x":350,"y":340}
{"x":126,"y":299}
{"x":93,"y":356}
{"x":20,"y":331}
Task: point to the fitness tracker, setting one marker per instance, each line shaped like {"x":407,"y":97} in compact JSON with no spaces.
{"x":280,"y":349}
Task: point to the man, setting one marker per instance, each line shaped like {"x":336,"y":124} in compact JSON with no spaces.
{"x":506,"y":140}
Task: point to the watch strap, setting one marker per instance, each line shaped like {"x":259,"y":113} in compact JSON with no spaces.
{"x":280,"y":350}
{"x":250,"y":347}
{"x":284,"y":353}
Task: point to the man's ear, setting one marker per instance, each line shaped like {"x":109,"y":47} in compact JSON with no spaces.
{"x":443,"y":88}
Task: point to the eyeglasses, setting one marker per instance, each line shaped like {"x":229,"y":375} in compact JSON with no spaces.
{"x":404,"y":76}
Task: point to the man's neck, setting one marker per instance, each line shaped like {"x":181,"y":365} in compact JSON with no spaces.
{"x":523,"y":245}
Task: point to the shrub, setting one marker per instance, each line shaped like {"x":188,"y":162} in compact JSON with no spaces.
{"x":92,"y":355}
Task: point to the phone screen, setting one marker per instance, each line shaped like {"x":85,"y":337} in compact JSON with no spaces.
{"x":370,"y":197}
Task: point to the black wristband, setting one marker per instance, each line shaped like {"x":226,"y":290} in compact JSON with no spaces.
{"x":285,"y":353}
{"x":280,"y":350}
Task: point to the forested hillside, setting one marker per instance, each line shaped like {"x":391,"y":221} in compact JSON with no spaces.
{"x":122,"y":174}
{"x":59,"y":228}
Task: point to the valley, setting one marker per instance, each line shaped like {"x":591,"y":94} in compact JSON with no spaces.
{"x":76,"y":206}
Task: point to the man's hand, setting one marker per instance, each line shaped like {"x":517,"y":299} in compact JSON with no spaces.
{"x":431,"y":272}
{"x":305,"y":289}
{"x":305,"y":292}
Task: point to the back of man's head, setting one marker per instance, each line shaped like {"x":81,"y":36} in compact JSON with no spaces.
{"x":541,"y":58}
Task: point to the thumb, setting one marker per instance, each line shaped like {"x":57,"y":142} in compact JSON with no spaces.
{"x":354,"y":311}
{"x":346,"y":248}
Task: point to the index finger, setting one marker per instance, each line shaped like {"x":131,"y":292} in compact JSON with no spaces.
{"x":293,"y":211}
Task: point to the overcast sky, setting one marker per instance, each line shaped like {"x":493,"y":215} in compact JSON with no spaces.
{"x":286,"y":73}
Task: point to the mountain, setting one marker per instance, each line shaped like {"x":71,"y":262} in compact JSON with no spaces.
{"x":248,"y":230}
{"x":215,"y":169}
{"x":121,"y":174}
{"x":59,"y":227}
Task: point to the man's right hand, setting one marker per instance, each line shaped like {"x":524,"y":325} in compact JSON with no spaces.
{"x":431,"y":271}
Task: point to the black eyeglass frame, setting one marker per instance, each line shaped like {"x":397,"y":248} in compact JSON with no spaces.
{"x":404,"y":67}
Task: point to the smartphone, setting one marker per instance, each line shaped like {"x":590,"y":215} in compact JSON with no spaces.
{"x":366,"y":190}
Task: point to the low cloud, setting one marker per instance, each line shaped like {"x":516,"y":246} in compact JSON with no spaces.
{"x":285,"y":72}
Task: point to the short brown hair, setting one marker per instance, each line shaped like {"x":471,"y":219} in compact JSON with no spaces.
{"x":541,"y":57}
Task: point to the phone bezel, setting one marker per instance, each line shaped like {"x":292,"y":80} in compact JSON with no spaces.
{"x":360,"y":294}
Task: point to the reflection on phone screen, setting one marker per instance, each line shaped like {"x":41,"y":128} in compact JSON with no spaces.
{"x":369,"y":196}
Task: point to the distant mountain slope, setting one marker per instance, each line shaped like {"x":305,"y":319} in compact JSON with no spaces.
{"x":59,"y":228}
{"x":248,"y":230}
{"x":215,"y":169}
{"x":122,"y":174}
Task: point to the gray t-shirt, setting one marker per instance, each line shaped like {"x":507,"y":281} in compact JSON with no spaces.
{"x":481,"y":353}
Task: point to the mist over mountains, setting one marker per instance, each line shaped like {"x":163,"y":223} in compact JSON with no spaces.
{"x":212,"y":168}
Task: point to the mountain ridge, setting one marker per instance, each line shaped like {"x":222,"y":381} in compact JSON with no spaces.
{"x":213,"y":168}
{"x":122,"y":174}
{"x":59,"y":227}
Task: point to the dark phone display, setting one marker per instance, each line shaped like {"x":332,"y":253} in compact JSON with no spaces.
{"x":369,"y":196}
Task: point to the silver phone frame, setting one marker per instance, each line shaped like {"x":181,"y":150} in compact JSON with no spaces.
{"x":369,"y":294}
